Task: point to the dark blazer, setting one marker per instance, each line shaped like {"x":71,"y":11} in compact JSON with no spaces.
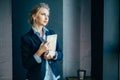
{"x":30,"y":43}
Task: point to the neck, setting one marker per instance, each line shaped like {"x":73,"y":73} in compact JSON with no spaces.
{"x":38,"y":28}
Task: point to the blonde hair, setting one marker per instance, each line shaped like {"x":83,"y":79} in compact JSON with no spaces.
{"x":35,"y":9}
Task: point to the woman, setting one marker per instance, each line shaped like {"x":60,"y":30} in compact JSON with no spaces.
{"x":40,"y":62}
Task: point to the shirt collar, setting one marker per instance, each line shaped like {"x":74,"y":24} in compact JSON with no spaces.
{"x":44,"y":29}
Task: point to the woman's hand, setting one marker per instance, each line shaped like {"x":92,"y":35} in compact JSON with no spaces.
{"x":49,"y":55}
{"x":44,"y":47}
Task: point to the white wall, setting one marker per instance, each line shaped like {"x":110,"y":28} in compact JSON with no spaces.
{"x":76,"y":36}
{"x":5,"y":40}
{"x":85,"y":36}
{"x":71,"y":37}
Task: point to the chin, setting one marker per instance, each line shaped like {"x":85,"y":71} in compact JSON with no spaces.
{"x":44,"y":24}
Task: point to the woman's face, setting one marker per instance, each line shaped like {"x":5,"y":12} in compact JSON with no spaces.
{"x":42,"y":17}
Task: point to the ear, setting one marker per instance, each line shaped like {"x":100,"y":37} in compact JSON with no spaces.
{"x":34,"y":16}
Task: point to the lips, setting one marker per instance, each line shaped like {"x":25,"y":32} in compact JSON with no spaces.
{"x":45,"y":21}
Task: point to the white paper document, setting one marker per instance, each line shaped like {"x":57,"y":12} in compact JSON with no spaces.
{"x":52,"y":39}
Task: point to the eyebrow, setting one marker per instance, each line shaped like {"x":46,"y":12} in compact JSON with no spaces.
{"x":43,"y":12}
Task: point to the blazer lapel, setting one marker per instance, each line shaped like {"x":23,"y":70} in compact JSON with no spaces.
{"x":47,"y":33}
{"x":35,"y":38}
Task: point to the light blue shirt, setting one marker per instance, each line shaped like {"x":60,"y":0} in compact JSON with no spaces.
{"x":49,"y":74}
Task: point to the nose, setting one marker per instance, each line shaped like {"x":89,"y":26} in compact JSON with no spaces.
{"x":46,"y":17}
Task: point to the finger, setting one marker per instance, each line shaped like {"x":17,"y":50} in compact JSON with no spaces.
{"x":49,"y":57}
{"x":47,"y":52}
{"x":47,"y":43}
{"x":42,"y":43}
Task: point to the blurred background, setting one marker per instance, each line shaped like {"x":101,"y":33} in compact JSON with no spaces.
{"x":88,"y":32}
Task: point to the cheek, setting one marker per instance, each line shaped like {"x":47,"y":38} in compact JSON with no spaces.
{"x":39,"y":19}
